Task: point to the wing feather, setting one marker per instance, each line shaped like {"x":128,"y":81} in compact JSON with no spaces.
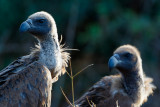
{"x":15,"y":67}
{"x":30,"y":87}
{"x":108,"y":92}
{"x":25,"y":83}
{"x":96,"y":94}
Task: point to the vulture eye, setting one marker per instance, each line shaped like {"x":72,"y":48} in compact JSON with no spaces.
{"x":127,"y":55}
{"x":41,"y":21}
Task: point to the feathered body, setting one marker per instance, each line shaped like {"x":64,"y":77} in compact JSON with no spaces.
{"x":27,"y":82}
{"x":130,"y":88}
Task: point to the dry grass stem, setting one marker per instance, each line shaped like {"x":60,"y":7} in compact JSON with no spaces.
{"x":72,"y":83}
{"x":66,"y":97}
{"x":82,"y":70}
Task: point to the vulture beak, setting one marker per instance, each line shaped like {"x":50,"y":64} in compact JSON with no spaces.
{"x":25,"y":26}
{"x":113,"y":61}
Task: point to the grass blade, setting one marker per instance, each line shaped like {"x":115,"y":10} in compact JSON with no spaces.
{"x":66,"y":97}
{"x":82,"y":70}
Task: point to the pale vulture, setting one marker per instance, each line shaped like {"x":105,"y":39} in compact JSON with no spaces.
{"x":27,"y":82}
{"x":130,"y":88}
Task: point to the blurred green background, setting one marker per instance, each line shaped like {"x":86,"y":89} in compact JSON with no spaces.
{"x":96,"y":28}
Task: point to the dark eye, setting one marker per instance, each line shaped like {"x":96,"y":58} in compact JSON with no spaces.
{"x":41,"y":21}
{"x":127,"y":55}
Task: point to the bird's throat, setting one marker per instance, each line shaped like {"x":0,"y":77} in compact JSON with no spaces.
{"x":50,"y":52}
{"x":133,"y":84}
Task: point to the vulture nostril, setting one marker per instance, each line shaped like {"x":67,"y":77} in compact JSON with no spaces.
{"x":29,"y":21}
{"x":116,"y":56}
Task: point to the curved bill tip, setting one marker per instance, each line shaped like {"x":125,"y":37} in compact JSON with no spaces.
{"x":112,"y":63}
{"x":24,"y":27}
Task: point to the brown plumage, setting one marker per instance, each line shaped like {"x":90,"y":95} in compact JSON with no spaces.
{"x":27,"y":82}
{"x":130,"y":88}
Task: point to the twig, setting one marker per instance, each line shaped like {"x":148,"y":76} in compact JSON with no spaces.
{"x":72,"y":83}
{"x":68,"y":74}
{"x":82,"y":70}
{"x":66,"y":97}
{"x":91,"y":104}
{"x":88,"y":102}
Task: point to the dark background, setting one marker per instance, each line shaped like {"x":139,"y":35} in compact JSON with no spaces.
{"x":96,"y":28}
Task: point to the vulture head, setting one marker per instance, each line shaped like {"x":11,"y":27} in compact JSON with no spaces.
{"x":126,"y":59}
{"x":40,"y":24}
{"x":49,"y":51}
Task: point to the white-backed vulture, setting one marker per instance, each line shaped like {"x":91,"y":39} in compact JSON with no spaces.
{"x":130,"y":88}
{"x":27,"y":82}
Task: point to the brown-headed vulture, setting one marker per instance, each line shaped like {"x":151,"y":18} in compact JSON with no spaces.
{"x":27,"y":82}
{"x":129,"y":88}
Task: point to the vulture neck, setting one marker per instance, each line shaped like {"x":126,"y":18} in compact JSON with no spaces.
{"x":133,"y":83}
{"x":50,"y":54}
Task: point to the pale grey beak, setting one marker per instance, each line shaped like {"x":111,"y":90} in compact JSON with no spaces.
{"x":25,"y":26}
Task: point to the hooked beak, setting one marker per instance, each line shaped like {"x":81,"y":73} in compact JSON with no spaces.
{"x":113,"y":61}
{"x":25,"y":26}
